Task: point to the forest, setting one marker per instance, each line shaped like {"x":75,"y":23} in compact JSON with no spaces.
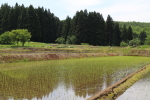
{"x":84,"y":27}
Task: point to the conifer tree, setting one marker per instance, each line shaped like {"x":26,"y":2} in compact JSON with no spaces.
{"x":116,"y":35}
{"x":66,"y":28}
{"x":109,"y":30}
{"x":33,"y":24}
{"x":124,"y":34}
{"x":130,"y":33}
{"x":4,"y":21}
{"x":142,"y":37}
{"x":81,"y":27}
{"x":22,"y":19}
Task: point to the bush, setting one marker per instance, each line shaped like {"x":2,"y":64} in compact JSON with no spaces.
{"x":134,"y":42}
{"x":7,"y":38}
{"x":71,"y":39}
{"x":147,"y":41}
{"x":60,"y":40}
{"x":123,"y":44}
{"x":84,"y":44}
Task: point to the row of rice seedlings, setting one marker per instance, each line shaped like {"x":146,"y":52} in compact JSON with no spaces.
{"x":124,"y":86}
{"x":27,"y":81}
{"x":85,"y":76}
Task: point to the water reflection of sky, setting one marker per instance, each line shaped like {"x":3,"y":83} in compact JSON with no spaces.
{"x":62,"y":79}
{"x":139,"y":91}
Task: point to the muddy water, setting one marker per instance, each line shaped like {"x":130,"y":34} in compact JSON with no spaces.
{"x":139,"y":91}
{"x":70,"y":79}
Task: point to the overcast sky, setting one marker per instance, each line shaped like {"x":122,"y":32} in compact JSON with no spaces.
{"x":119,"y":10}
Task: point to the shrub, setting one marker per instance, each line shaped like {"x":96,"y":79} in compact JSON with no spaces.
{"x":84,"y":44}
{"x":123,"y":44}
{"x":60,"y":40}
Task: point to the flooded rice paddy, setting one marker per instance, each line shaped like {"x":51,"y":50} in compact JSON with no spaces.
{"x":69,"y":79}
{"x":138,"y":91}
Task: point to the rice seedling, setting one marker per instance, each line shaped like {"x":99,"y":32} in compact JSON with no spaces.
{"x":125,"y":85}
{"x":53,"y":78}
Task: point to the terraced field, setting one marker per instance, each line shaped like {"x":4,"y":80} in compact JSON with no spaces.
{"x":67,"y":79}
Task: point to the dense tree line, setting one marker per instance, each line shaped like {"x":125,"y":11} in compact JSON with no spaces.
{"x":137,"y":27}
{"x":91,"y":28}
{"x":42,"y":24}
{"x":84,"y":27}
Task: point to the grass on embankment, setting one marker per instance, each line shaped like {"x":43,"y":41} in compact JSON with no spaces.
{"x":40,"y":47}
{"x":122,"y":87}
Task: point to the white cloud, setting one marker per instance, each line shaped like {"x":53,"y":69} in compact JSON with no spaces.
{"x":76,"y":5}
{"x":128,"y":10}
{"x":83,"y":3}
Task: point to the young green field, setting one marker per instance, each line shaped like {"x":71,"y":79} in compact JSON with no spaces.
{"x":69,"y":79}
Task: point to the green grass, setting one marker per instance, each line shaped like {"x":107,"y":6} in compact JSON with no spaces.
{"x":76,"y":48}
{"x":144,"y":47}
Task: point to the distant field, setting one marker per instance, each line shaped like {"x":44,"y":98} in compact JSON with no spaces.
{"x":68,"y":48}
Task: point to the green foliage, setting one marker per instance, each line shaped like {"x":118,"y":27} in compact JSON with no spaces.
{"x":123,"y":44}
{"x":7,"y":38}
{"x":21,"y":35}
{"x":60,"y":40}
{"x":42,"y":24}
{"x":147,"y":40}
{"x":66,"y":28}
{"x":142,"y":36}
{"x":84,"y":44}
{"x":87,"y":27}
{"x":15,"y":36}
{"x":137,"y":26}
{"x":116,"y":35}
{"x":130,"y":33}
{"x":134,"y":42}
{"x":71,"y":39}
{"x":109,"y":30}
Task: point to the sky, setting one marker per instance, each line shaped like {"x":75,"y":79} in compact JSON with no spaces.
{"x":119,"y":10}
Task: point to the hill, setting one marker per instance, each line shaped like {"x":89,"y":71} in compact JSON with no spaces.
{"x":137,"y":26}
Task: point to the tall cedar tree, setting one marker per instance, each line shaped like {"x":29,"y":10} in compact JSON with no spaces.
{"x":42,"y":24}
{"x":74,"y":26}
{"x":22,"y":19}
{"x":96,"y":28}
{"x":124,"y":34}
{"x":17,"y":10}
{"x":66,"y":28}
{"x":81,"y":28}
{"x":4,"y":21}
{"x":117,"y":35}
{"x":130,"y":33}
{"x":60,"y":27}
{"x":142,"y":37}
{"x":109,"y":31}
{"x":33,"y":24}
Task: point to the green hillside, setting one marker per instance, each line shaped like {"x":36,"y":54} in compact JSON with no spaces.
{"x":137,"y":26}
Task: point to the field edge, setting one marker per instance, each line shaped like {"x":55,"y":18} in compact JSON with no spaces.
{"x":115,"y":90}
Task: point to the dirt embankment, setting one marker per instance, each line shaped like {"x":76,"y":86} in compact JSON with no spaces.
{"x":139,"y":53}
{"x":15,"y":57}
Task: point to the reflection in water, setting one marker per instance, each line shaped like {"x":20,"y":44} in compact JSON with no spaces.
{"x":138,"y":91}
{"x":71,"y":79}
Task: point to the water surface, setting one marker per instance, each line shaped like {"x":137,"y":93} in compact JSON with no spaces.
{"x":138,"y":91}
{"x":70,"y":79}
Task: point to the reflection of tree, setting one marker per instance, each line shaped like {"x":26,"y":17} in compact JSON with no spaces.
{"x":84,"y":76}
{"x":86,"y":81}
{"x":37,"y":84}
